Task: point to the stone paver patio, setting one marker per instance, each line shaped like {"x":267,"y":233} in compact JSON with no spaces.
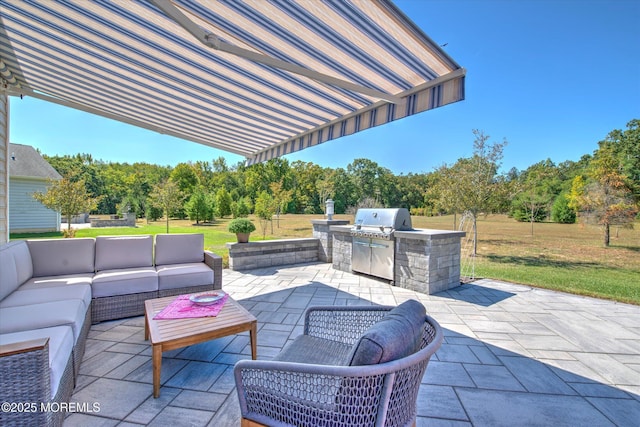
{"x":513,"y":355}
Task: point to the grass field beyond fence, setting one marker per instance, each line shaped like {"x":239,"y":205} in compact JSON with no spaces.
{"x":564,"y":257}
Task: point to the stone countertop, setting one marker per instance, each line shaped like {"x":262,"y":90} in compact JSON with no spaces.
{"x":428,"y":234}
{"x":416,"y":234}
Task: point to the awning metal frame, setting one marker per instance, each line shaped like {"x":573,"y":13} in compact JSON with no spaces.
{"x":211,"y":40}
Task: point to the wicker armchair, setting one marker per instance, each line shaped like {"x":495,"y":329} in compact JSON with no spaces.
{"x":285,"y":393}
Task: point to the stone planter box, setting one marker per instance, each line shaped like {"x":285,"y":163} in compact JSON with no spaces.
{"x":268,"y":253}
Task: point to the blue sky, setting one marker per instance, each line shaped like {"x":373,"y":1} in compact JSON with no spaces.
{"x":552,"y":77}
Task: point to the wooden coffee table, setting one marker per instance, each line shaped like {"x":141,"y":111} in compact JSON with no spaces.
{"x":177,"y":333}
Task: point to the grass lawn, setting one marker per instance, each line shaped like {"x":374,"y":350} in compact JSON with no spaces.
{"x":564,"y":257}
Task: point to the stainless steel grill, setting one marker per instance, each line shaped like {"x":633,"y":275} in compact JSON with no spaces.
{"x":373,"y":248}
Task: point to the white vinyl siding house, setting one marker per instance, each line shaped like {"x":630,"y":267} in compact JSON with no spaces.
{"x":29,"y":173}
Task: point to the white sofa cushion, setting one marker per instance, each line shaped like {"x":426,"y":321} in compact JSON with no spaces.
{"x":30,"y":296}
{"x":114,"y":252}
{"x":179,"y":248}
{"x":8,"y":271}
{"x":15,"y":266}
{"x":56,"y":257}
{"x":182,"y":275}
{"x":57,"y":281}
{"x":24,"y":265}
{"x":44,"y":315}
{"x":124,"y":281}
{"x":60,"y":348}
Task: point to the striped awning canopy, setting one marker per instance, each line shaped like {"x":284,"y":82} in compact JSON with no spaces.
{"x":254,"y":77}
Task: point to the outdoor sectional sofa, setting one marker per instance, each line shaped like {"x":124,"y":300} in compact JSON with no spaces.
{"x":52,"y":290}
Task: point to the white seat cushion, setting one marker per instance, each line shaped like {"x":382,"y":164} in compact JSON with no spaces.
{"x":44,"y":315}
{"x":31,"y":295}
{"x":57,"y":281}
{"x":183,"y":275}
{"x":124,"y":281}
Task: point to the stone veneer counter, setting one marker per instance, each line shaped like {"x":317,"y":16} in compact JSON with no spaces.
{"x":426,"y":260}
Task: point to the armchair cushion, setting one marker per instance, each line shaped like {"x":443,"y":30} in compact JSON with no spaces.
{"x":314,"y":350}
{"x":397,"y":335}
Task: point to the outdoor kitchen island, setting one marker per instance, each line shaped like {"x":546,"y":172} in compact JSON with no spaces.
{"x":426,"y":260}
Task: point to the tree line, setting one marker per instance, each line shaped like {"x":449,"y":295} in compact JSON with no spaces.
{"x":602,"y":187}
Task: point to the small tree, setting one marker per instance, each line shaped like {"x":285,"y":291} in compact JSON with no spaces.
{"x":167,"y":197}
{"x":561,"y":212}
{"x":265,"y":208}
{"x":198,"y":207}
{"x":538,"y":188}
{"x":223,"y":202}
{"x":241,"y":210}
{"x":281,"y":198}
{"x":472,"y":184}
{"x":607,"y":197}
{"x":68,"y":197}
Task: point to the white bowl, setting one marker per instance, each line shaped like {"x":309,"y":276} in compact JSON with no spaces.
{"x":207,"y":299}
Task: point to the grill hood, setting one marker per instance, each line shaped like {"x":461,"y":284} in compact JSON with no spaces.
{"x":384,"y":219}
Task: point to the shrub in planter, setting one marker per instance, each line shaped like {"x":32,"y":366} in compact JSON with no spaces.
{"x":242,"y":227}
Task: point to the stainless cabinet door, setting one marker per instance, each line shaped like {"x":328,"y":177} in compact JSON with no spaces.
{"x":382,"y":258}
{"x":361,"y":255}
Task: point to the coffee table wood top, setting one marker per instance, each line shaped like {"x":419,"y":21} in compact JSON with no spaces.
{"x":171,"y":334}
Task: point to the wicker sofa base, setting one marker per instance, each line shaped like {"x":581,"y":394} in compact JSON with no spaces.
{"x":119,"y":306}
{"x":22,"y":389}
{"x":78,"y":349}
{"x":129,"y":305}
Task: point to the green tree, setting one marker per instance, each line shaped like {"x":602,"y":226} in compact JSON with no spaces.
{"x":185,"y":177}
{"x":561,"y":212}
{"x":325,"y":189}
{"x":575,"y":197}
{"x":241,"y":209}
{"x":68,"y":197}
{"x":472,"y":184}
{"x":441,"y":196}
{"x":199,"y":206}
{"x":168,"y":197}
{"x":373,"y":181}
{"x":344,"y":190}
{"x":223,"y":202}
{"x":280,"y":198}
{"x":264,"y":210}
{"x":625,"y":146}
{"x":608,"y":198}
{"x":538,"y":187}
{"x":305,"y":178}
